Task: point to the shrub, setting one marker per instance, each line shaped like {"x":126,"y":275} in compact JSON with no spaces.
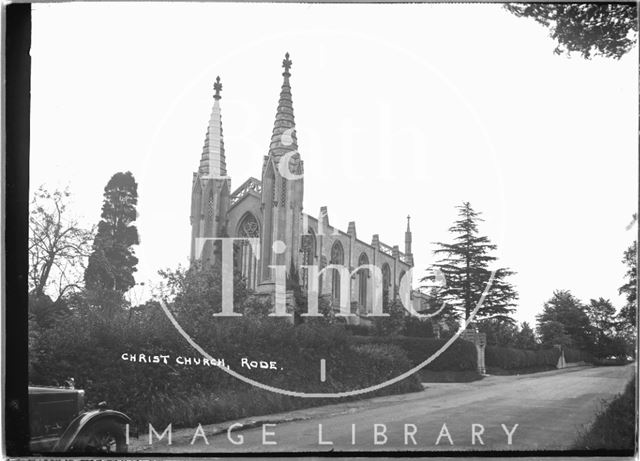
{"x":577,"y":355}
{"x":88,"y":347}
{"x":359,"y":330}
{"x":415,"y":327}
{"x":508,"y":358}
{"x":460,"y":356}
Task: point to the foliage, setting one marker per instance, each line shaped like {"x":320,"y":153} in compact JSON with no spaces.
{"x":520,"y":360}
{"x":499,"y":332}
{"x":197,"y":291}
{"x":509,"y":358}
{"x":591,"y":29}
{"x":507,"y":334}
{"x":553,"y":333}
{"x":460,"y":356}
{"x":395,"y":323}
{"x":601,"y":315}
{"x":615,"y":427}
{"x":58,"y":245}
{"x":573,"y":355}
{"x":628,"y":312}
{"x":44,"y":312}
{"x":416,"y":327}
{"x":466,"y":270}
{"x":88,"y":347}
{"x":525,"y":338}
{"x":295,"y":288}
{"x":564,"y":321}
{"x":112,"y":261}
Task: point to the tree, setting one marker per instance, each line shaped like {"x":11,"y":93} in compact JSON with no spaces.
{"x":564,"y":314}
{"x":292,"y":285}
{"x":602,"y":314}
{"x":466,"y":270}
{"x":112,"y":262}
{"x":525,"y":338}
{"x":197,"y":291}
{"x":395,"y":323}
{"x":499,"y":332}
{"x":591,"y":29}
{"x":628,"y":312}
{"x":58,"y":245}
{"x":554,"y":333}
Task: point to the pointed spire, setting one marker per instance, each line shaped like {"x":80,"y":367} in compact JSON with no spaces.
{"x":217,"y":87}
{"x":407,"y":242}
{"x":213,"y":162}
{"x":283,"y":137}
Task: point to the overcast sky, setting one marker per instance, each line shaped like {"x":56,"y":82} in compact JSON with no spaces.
{"x":400,"y":109}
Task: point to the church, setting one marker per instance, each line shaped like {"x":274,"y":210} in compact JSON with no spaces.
{"x":271,"y":209}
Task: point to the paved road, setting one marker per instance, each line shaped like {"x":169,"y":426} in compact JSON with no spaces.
{"x":549,"y":409}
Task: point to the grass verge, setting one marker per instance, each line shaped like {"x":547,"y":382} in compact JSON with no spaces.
{"x":614,"y":427}
{"x":519,"y":371}
{"x":467,"y":376}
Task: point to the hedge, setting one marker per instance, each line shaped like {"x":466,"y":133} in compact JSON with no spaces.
{"x":508,"y":358}
{"x":460,"y":356}
{"x":576,"y":355}
{"x":89,"y":348}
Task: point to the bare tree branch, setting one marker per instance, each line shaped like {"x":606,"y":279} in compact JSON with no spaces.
{"x":58,"y":245}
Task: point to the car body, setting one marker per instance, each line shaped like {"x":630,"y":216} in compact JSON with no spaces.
{"x":59,"y":423}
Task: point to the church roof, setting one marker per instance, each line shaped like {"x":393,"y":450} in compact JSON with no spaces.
{"x":213,"y":162}
{"x":283,"y":137}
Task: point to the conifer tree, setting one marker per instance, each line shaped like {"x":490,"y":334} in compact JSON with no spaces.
{"x":567,"y":313}
{"x":112,"y":261}
{"x":466,"y":267}
{"x":299,"y":296}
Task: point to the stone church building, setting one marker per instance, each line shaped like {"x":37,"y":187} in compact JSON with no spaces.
{"x":271,"y":209}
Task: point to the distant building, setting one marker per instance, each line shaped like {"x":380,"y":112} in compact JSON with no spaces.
{"x":272,"y":209}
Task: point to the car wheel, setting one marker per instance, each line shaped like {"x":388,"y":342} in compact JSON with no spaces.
{"x":102,"y":437}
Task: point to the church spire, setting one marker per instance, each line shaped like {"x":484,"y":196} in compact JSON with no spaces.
{"x":283,"y":137}
{"x":212,"y":162}
{"x":407,"y":241}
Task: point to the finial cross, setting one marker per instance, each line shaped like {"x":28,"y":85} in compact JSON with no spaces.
{"x":217,"y":87}
{"x":286,"y":63}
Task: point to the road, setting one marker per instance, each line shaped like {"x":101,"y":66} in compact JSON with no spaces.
{"x":549,"y":409}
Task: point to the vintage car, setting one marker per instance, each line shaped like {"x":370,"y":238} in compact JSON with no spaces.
{"x":59,"y":423}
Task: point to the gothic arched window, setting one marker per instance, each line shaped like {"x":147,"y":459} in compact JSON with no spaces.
{"x":308,"y":248}
{"x":363,"y":276}
{"x":337,"y":257}
{"x":246,"y":261}
{"x":386,"y":283}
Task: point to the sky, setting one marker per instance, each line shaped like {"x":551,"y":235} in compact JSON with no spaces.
{"x":401,"y":109}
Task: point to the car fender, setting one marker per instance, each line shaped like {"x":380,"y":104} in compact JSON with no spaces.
{"x":85,"y":420}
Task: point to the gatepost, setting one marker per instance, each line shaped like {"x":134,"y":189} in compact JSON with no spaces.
{"x":472,"y":335}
